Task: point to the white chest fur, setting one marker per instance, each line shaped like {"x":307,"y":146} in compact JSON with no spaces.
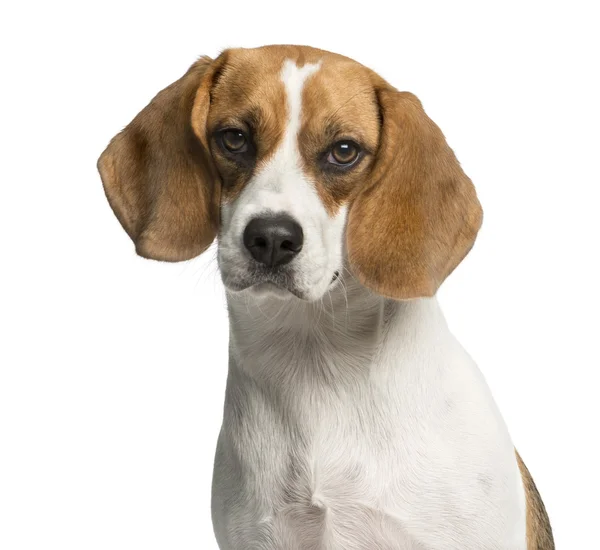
{"x":370,"y":429}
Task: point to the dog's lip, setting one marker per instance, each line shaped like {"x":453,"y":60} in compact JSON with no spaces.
{"x":263,"y":284}
{"x":273,"y":281}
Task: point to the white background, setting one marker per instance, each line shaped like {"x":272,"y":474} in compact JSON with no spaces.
{"x":113,"y":367}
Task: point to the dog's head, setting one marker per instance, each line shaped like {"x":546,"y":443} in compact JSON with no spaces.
{"x":302,"y":163}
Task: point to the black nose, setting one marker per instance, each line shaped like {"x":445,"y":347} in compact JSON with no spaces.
{"x":273,"y":240}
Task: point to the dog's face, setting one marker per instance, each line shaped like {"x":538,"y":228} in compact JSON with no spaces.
{"x":304,"y":163}
{"x":291,"y":142}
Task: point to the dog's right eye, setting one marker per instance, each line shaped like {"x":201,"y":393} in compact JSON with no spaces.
{"x":234,"y":140}
{"x":344,"y":153}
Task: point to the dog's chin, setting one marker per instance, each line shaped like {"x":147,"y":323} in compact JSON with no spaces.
{"x":266,"y":288}
{"x":269,"y":289}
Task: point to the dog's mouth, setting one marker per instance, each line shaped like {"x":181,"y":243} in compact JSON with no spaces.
{"x":260,"y":280}
{"x":278,"y":282}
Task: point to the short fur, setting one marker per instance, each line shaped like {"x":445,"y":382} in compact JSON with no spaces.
{"x":353,"y":418}
{"x":159,"y":179}
{"x":539,"y":532}
{"x":419,"y":192}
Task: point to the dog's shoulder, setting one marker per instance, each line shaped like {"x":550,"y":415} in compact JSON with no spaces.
{"x":539,"y":532}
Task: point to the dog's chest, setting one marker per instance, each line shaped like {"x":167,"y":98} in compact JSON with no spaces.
{"x":337,"y":490}
{"x":328,"y":485}
{"x":373,"y":472}
{"x":360,"y":473}
{"x":407,"y":453}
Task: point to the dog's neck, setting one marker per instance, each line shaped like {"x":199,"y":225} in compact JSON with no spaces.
{"x":286,"y":344}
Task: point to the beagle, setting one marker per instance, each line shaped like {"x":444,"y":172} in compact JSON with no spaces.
{"x":353,"y":419}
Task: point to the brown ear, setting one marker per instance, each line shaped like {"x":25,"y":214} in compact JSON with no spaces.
{"x":158,"y":175}
{"x":418,"y":216}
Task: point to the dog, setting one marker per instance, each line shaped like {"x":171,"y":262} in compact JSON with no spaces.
{"x":353,"y":419}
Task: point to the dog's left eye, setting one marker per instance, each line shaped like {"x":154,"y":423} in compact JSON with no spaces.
{"x":344,"y":153}
{"x":234,"y":140}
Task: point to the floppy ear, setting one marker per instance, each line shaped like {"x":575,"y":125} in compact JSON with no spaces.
{"x":158,"y":174}
{"x":418,"y":216}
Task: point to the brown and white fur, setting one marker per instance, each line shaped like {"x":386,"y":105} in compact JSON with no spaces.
{"x":353,"y":418}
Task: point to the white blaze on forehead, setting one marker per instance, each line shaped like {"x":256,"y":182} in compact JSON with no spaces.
{"x":293,"y":79}
{"x":283,"y":173}
{"x":280,"y":186}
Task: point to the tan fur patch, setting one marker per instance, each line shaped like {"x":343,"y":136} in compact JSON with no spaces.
{"x":248,"y":95}
{"x":539,"y":532}
{"x":417,"y":216}
{"x":159,"y":181}
{"x":338,"y":103}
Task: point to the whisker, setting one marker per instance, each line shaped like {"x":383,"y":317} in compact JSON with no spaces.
{"x":332,"y":308}
{"x":345,"y":289}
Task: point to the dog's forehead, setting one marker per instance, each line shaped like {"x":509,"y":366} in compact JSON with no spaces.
{"x":253,"y":81}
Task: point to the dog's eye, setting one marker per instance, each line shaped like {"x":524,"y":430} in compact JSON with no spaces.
{"x":344,"y":153}
{"x":234,"y":140}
